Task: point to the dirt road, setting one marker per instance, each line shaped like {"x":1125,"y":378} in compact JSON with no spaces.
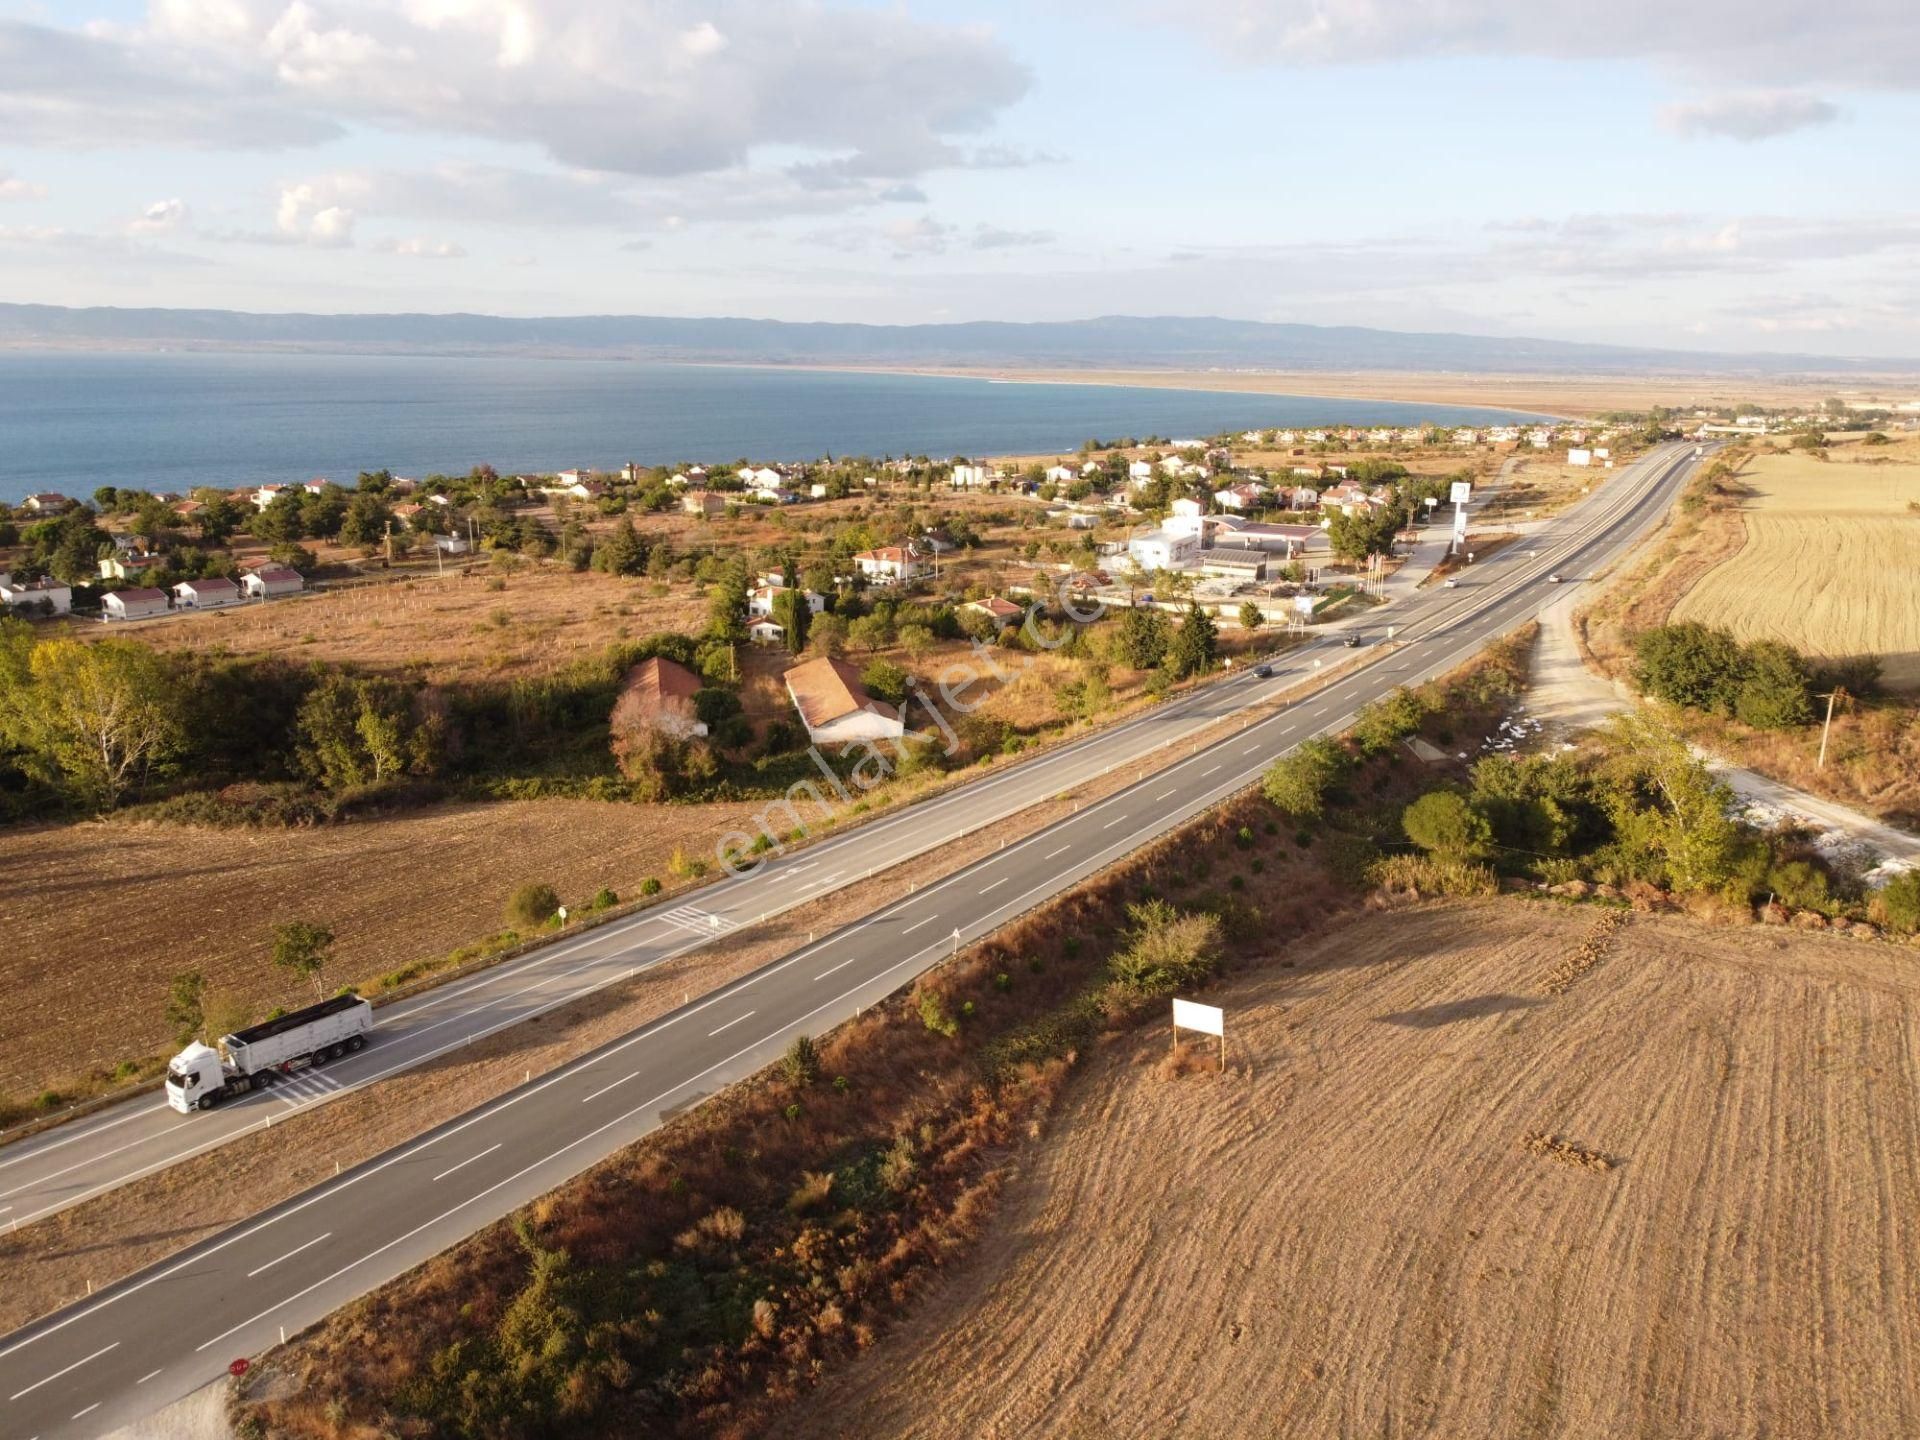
{"x":1345,"y":1235}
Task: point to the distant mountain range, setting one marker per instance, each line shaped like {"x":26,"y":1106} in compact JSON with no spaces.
{"x":1109,"y":342}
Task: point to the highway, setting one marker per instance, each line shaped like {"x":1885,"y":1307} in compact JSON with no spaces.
{"x":169,"y":1330}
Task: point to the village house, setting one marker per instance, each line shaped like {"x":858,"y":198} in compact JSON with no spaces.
{"x":264,"y":495}
{"x":1162,"y":549}
{"x":1001,"y":612}
{"x":273,"y":580}
{"x":704,"y":502}
{"x":766,"y":632}
{"x":835,"y":707}
{"x":1139,"y":472}
{"x":206,"y":594}
{"x":134,"y":604}
{"x":1298,"y":498}
{"x":1242,"y":497}
{"x":1061,"y":474}
{"x":761,"y":477}
{"x":658,"y":693}
{"x":45,"y":597}
{"x":47,"y":503}
{"x":890,"y":564}
{"x":972,"y":477}
{"x":1579,"y":457}
{"x":760,"y":599}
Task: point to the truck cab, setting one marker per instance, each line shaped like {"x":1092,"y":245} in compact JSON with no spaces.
{"x":195,"y":1078}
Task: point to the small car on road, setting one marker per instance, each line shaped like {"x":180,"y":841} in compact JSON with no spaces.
{"x":1353,"y":641}
{"x":1263,"y":672}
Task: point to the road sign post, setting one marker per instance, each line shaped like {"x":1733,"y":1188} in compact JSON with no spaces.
{"x":1207,"y":1019}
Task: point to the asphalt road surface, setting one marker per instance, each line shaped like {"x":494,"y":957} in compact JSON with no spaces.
{"x":171,"y":1329}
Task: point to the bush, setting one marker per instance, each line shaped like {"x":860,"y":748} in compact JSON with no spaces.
{"x":532,"y":905}
{"x":1899,"y":901}
{"x":802,"y":1062}
{"x":1689,"y":664}
{"x":1444,"y":824}
{"x":933,"y":1014}
{"x":605,"y":899}
{"x":1298,"y":783}
{"x":1389,"y":720}
{"x":1165,"y":950}
{"x":649,"y":886}
{"x":885,"y":681}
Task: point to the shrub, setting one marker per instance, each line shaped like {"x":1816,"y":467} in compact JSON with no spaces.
{"x":1899,"y":901}
{"x":532,"y":905}
{"x":605,"y":899}
{"x":802,"y":1062}
{"x":1444,"y":824}
{"x":933,"y":1014}
{"x":1689,"y":664}
{"x":1165,"y":949}
{"x":1389,"y":720}
{"x":1003,"y":982}
{"x":1434,"y":875}
{"x":1298,"y":783}
{"x":1800,"y":884}
{"x":650,"y":886}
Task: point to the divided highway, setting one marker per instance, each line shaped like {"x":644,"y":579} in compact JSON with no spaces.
{"x":169,"y":1330}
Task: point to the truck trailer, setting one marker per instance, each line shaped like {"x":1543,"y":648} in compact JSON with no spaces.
{"x":201,"y":1076}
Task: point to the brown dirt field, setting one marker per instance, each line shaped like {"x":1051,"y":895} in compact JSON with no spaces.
{"x":1574,"y":395}
{"x":100,"y":915}
{"x":1347,"y":1233}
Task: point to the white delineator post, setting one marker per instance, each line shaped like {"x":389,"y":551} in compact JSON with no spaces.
{"x":1208,"y":1019}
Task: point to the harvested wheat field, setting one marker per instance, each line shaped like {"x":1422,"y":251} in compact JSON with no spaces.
{"x":1474,"y":1170}
{"x":1830,"y":559}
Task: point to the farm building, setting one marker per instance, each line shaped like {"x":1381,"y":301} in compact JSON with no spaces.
{"x":658,"y":693}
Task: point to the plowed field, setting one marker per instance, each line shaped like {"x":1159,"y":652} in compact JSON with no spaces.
{"x":1348,"y":1235}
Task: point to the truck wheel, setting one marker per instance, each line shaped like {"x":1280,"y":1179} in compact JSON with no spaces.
{"x":205,"y":1102}
{"x":337,"y":1051}
{"x":319,"y":1057}
{"x":356,"y":1042}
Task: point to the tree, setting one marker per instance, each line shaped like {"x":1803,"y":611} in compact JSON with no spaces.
{"x":1389,"y":720}
{"x":1164,"y":949}
{"x":361,"y":730}
{"x":1298,"y":783}
{"x":303,"y":949}
{"x":886,"y":681}
{"x":1444,"y":824}
{"x":1776,"y":692}
{"x":364,"y":521}
{"x":827,"y":635}
{"x":186,"y":1005}
{"x":1664,"y":802}
{"x":794,"y":616}
{"x":1252,"y":617}
{"x":727,"y":605}
{"x":91,"y":720}
{"x":1689,"y":664}
{"x":281,"y":521}
{"x":1192,"y":649}
{"x":1899,"y":901}
{"x":218,"y":519}
{"x":1354,"y":537}
{"x":621,"y":553}
{"x":1142,"y":642}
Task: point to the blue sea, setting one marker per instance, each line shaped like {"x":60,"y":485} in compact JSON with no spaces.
{"x":72,"y":422}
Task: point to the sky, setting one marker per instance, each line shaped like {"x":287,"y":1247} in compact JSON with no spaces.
{"x":1700,"y":174}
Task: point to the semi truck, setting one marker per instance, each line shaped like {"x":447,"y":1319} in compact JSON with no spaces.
{"x":201,"y":1076}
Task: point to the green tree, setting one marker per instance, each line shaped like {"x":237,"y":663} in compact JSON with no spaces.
{"x":886,"y":681}
{"x":1665,"y":802}
{"x":1444,"y":824}
{"x":219,"y":519}
{"x":281,"y":522}
{"x":1354,"y":537}
{"x":1298,"y":783}
{"x":792,"y":614}
{"x":304,"y":949}
{"x":1142,"y":642}
{"x":89,"y":720}
{"x":358,"y":730}
{"x":1776,"y":690}
{"x":621,"y":553}
{"x":1194,"y":644}
{"x":1899,"y":901}
{"x":1387,"y":721}
{"x":186,"y":1005}
{"x":364,"y":520}
{"x":1690,"y":664}
{"x":727,"y":605}
{"x":1252,"y":617}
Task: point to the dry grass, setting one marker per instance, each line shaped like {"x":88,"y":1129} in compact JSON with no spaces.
{"x":1342,"y":1236}
{"x":1829,"y":561}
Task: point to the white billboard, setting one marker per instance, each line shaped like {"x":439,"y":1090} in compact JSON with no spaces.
{"x":1210,"y":1019}
{"x":1461,"y":493}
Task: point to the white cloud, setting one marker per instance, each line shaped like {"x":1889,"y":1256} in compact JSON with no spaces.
{"x":307,"y":216}
{"x":418,"y":247}
{"x":1749,"y":115}
{"x":14,"y":188}
{"x":1867,"y":43}
{"x":160,"y":216}
{"x":584,"y":80}
{"x":992,"y":237}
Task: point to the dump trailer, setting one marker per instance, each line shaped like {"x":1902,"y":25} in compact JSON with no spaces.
{"x":201,"y":1076}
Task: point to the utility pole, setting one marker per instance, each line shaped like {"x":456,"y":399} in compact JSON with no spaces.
{"x":1827,"y":728}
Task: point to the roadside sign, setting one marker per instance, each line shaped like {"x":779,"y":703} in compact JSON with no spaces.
{"x":1189,"y":1015}
{"x":1461,"y":492}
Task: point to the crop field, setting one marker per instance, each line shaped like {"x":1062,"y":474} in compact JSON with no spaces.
{"x":1830,"y":558}
{"x":1499,"y":1169}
